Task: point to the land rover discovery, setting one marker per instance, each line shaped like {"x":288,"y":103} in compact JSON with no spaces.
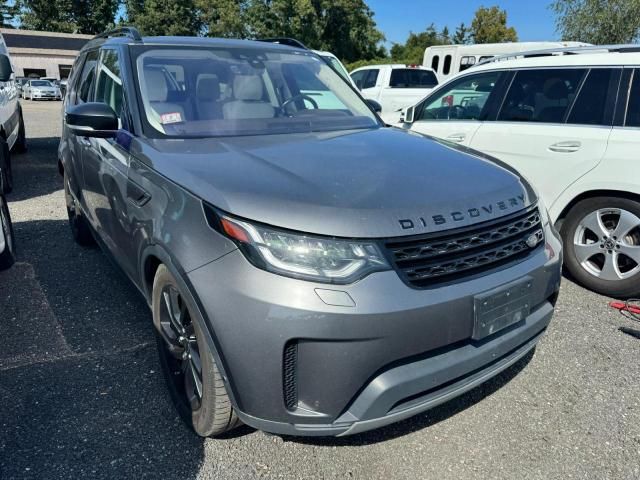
{"x":309,"y":271}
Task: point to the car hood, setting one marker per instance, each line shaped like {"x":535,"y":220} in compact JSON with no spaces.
{"x":367,"y":183}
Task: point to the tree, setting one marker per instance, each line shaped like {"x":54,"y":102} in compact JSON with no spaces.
{"x":344,"y":27}
{"x":167,"y":17}
{"x":413,"y":49}
{"x":598,"y":21}
{"x":223,"y":18}
{"x":461,"y":36}
{"x":445,"y":37}
{"x":72,"y":16}
{"x":489,"y":25}
{"x":7,"y":14}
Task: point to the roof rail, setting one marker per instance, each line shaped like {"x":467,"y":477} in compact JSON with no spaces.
{"x":291,"y":42}
{"x":131,"y":32}
{"x":576,"y":50}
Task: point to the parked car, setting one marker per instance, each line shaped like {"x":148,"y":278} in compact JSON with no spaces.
{"x":449,"y":60}
{"x":309,"y":271}
{"x":41,"y":90}
{"x":12,"y":132}
{"x":394,"y":87}
{"x":7,"y":243}
{"x":20,"y":81}
{"x":569,"y":121}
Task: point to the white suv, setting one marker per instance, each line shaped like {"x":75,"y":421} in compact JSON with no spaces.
{"x":569,"y":120}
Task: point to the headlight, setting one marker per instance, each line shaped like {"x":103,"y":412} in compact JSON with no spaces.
{"x":299,"y":255}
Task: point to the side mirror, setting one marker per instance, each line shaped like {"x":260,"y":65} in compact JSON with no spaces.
{"x":409,"y":113}
{"x":92,"y":119}
{"x":374,"y":105}
{"x":5,"y":68}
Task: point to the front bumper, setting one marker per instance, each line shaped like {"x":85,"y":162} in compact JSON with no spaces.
{"x":42,"y":96}
{"x":379,"y":353}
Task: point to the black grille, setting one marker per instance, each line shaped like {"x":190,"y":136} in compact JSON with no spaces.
{"x":428,"y":259}
{"x":289,"y":375}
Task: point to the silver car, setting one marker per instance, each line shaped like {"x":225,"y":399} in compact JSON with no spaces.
{"x":41,"y":90}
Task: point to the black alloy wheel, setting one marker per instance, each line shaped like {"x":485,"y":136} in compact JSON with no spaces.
{"x":181,"y":351}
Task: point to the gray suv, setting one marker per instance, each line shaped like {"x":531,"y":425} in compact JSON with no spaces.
{"x":309,"y":270}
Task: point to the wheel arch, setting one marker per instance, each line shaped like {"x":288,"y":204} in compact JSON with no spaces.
{"x":593,"y":194}
{"x":152,"y":257}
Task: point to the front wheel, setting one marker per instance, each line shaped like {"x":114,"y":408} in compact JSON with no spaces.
{"x":192,"y":375}
{"x":601,"y":237}
{"x":7,"y":244}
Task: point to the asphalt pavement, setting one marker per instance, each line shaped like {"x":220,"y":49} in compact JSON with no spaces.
{"x":82,"y":395}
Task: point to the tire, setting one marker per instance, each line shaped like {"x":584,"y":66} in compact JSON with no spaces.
{"x":181,"y":342}
{"x":80,"y":230}
{"x":21,"y":142}
{"x":5,"y":164}
{"x":601,"y":238}
{"x":7,"y":256}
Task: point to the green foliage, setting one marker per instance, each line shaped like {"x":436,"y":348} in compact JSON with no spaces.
{"x":598,"y":21}
{"x":344,"y":27}
{"x":8,"y":12}
{"x":73,"y":16}
{"x":167,"y":17}
{"x":363,"y":63}
{"x":461,"y":36}
{"x":489,"y":25}
{"x":412,"y":51}
{"x":223,"y":18}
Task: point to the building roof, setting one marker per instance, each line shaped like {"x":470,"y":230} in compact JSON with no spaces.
{"x":43,"y":40}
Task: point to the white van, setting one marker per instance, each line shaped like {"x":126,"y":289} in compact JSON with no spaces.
{"x":448,"y":60}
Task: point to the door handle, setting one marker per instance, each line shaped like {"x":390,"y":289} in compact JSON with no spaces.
{"x":457,"y":137}
{"x":566,"y":147}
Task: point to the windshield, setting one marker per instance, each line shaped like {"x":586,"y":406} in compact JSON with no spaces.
{"x":41,"y":83}
{"x":244,"y":91}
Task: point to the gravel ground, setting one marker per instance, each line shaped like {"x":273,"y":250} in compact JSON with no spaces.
{"x":81,"y":394}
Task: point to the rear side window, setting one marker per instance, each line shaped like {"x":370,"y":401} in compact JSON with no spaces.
{"x":365,"y":78}
{"x":633,"y":106}
{"x":463,"y":99}
{"x":467,"y":62}
{"x":591,"y":104}
{"x":371,"y":79}
{"x":87,"y":78}
{"x":543,"y":96}
{"x":435,"y":62}
{"x":447,"y":65}
{"x":412,"y":78}
{"x":358,"y":77}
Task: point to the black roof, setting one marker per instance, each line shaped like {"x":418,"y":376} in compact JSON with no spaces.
{"x":43,"y":42}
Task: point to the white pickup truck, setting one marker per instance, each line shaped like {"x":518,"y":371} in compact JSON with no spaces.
{"x":394,"y":87}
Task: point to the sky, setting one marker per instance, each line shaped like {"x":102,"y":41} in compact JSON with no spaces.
{"x":396,"y":18}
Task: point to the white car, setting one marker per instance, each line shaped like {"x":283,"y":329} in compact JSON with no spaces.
{"x":394,"y":87}
{"x":41,"y":90}
{"x":569,"y":121}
